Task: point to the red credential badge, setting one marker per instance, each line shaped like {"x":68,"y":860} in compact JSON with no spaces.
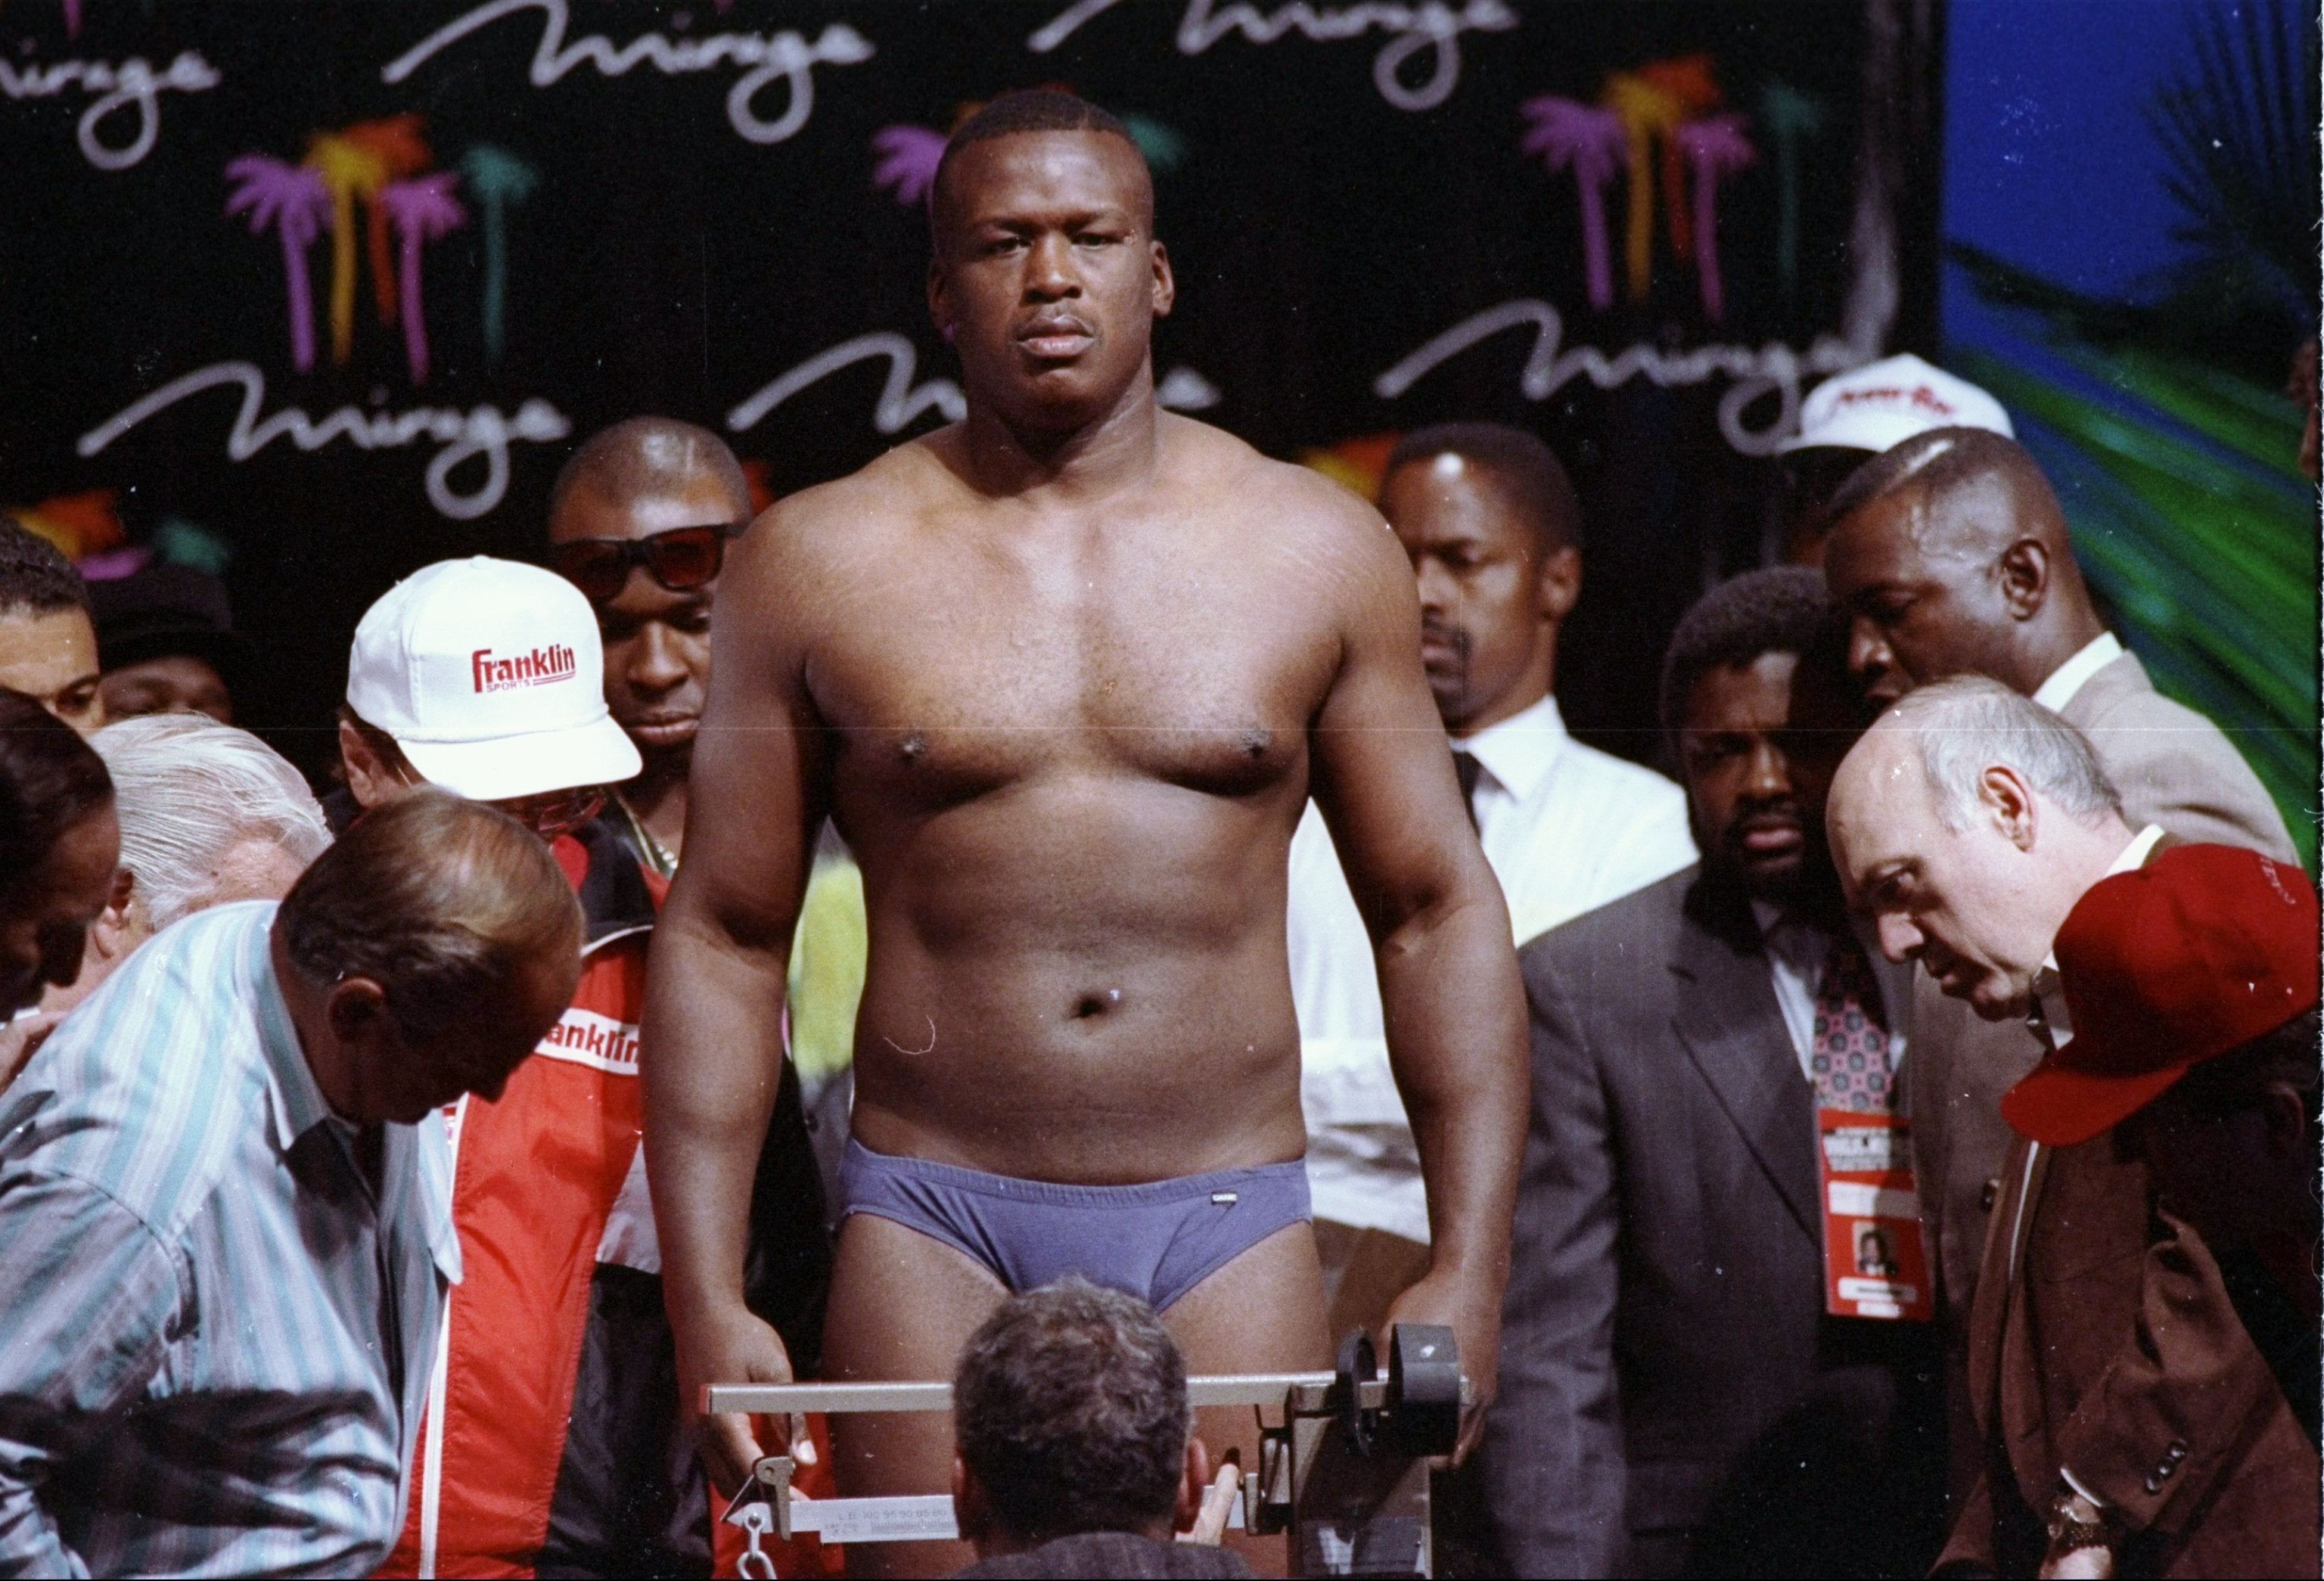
{"x":1874,"y":1261}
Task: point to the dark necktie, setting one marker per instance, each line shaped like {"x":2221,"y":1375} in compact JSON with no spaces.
{"x":1465,"y":768}
{"x":1850,"y":1051}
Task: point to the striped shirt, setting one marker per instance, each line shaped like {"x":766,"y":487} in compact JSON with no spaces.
{"x":214,"y":1340}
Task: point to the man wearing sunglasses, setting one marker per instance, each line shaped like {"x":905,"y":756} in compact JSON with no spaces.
{"x":638,"y":521}
{"x":553,"y":1441}
{"x":1065,"y":673}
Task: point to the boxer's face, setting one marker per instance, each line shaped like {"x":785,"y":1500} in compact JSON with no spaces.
{"x":1048,"y":278}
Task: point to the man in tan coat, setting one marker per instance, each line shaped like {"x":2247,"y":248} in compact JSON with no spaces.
{"x":1952,"y":557}
{"x":2122,"y":1415}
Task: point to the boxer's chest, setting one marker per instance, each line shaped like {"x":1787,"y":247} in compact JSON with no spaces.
{"x":1202,"y":673}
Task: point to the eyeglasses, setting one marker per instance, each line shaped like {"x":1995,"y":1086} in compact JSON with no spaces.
{"x":555,"y":813}
{"x":681,"y":559}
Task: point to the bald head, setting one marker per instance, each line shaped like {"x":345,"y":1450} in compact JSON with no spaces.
{"x":1968,"y":821}
{"x":641,"y":459}
{"x":1952,"y":557}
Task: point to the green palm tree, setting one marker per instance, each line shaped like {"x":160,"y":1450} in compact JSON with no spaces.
{"x":2161,"y":420}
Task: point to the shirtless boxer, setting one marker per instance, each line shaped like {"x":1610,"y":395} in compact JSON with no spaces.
{"x":1064,"y":674}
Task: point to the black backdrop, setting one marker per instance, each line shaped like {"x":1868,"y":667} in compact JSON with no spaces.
{"x":670,"y":258}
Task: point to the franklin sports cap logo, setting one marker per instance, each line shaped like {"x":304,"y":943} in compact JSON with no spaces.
{"x":1920,"y":396}
{"x":541,"y":665}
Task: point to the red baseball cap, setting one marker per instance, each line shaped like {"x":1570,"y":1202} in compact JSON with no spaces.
{"x":2204,"y":949}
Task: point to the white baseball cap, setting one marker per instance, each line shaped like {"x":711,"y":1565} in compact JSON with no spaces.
{"x":1884,"y":403}
{"x":491,"y":677}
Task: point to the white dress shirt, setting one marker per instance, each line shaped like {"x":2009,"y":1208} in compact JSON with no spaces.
{"x":2069,"y":678}
{"x":1796,"y":952}
{"x":1566,"y":829}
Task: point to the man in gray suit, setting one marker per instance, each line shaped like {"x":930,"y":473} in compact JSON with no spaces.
{"x":1952,"y":557}
{"x":1675,"y":1397}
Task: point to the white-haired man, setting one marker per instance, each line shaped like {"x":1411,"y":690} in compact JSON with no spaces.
{"x":209,"y":815}
{"x":1968,"y":822}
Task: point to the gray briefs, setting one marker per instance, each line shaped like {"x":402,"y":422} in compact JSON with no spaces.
{"x":1154,"y":1241}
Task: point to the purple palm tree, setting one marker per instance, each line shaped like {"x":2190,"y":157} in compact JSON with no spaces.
{"x":421,"y":208}
{"x":1715,"y":146}
{"x":1569,"y":135}
{"x":908,"y":163}
{"x":295,"y":202}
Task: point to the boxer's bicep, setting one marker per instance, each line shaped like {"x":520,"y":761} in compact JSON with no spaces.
{"x":712,"y":1051}
{"x":1382,"y":770}
{"x":757,"y":787}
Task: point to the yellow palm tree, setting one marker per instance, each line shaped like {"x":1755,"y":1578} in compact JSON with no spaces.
{"x":1649,"y":114}
{"x":349,"y":171}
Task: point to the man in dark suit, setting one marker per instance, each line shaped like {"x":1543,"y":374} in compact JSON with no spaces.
{"x":1677,"y":1396}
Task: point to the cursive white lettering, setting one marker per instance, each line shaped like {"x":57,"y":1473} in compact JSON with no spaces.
{"x":787,"y":55}
{"x":483,"y":432}
{"x":116,"y":87}
{"x":900,"y":401}
{"x":1774,"y":368}
{"x":1433,"y":26}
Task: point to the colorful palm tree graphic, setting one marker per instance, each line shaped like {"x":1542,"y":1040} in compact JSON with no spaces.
{"x":908,"y":156}
{"x":294,"y":200}
{"x":497,"y":181}
{"x":1647,"y":113}
{"x":1714,"y":146}
{"x":394,"y":142}
{"x":346,"y":171}
{"x":1790,"y":117}
{"x":421,"y":209}
{"x":1687,"y":80}
{"x":1569,"y":135}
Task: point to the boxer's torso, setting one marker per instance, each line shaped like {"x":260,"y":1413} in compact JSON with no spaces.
{"x":1068,"y":744}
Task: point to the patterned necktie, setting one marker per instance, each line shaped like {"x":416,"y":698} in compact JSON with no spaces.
{"x":1466,"y":767}
{"x":1850,"y":1048}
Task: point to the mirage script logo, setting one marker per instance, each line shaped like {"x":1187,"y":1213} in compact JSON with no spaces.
{"x":788,"y":55}
{"x":1430,"y":31}
{"x":134,"y":82}
{"x":481,"y":431}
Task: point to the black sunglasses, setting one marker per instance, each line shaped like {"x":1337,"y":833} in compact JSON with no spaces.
{"x":681,"y":559}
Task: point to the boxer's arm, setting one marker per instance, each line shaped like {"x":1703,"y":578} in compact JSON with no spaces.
{"x":713,"y":1056}
{"x":1382,"y":777}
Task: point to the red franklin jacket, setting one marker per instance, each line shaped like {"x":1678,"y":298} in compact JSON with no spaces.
{"x":552,"y":1436}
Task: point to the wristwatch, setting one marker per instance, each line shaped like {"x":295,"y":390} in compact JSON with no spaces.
{"x":2078,"y":1522}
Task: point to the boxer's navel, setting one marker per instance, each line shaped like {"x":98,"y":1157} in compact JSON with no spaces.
{"x":1091,"y":1004}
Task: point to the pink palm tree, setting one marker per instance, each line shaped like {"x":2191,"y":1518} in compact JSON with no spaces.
{"x":1714,"y":146}
{"x":421,"y":209}
{"x":1569,"y":135}
{"x":295,"y":202}
{"x":908,"y":159}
